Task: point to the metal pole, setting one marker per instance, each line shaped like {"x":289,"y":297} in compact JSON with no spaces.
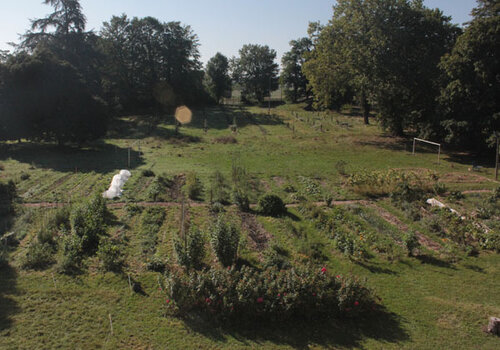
{"x":413,"y":147}
{"x":497,"y":156}
{"x":439,"y":153}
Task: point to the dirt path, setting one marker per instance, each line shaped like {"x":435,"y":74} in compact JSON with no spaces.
{"x":256,"y":232}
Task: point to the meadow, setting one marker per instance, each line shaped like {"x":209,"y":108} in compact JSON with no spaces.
{"x":438,"y":295}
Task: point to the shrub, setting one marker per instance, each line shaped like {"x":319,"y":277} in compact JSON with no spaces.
{"x":216,"y":208}
{"x":231,"y":294}
{"x":277,"y":257}
{"x":156,"y":264}
{"x":191,"y":252}
{"x":147,"y":173}
{"x":157,"y":191}
{"x":110,"y":255}
{"x":405,"y":192}
{"x":456,"y":195}
{"x":349,"y":244}
{"x":151,"y":222}
{"x":72,"y":253}
{"x":38,"y":256}
{"x":193,"y":187}
{"x":241,"y":200}
{"x":272,"y":205}
{"x":224,"y":239}
{"x":410,"y":242}
{"x":219,"y":189}
{"x":88,"y":222}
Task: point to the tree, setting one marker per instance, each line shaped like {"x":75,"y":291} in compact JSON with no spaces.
{"x":149,"y":61}
{"x":217,"y":76}
{"x":385,"y":52}
{"x":256,"y":71}
{"x":47,"y":99}
{"x":292,"y":77}
{"x":470,"y":97}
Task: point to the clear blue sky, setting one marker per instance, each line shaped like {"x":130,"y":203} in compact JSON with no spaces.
{"x":221,"y":25}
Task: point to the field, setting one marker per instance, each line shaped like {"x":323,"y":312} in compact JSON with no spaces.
{"x":440,"y":298}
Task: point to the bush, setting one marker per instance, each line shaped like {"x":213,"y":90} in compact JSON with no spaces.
{"x":216,"y":208}
{"x":193,"y":187}
{"x":224,"y":239}
{"x":250,"y":294}
{"x":410,"y":242}
{"x":277,"y":257}
{"x":147,"y":173}
{"x":38,"y":256}
{"x":191,"y":252}
{"x":241,"y":200}
{"x":88,"y":222}
{"x":405,"y":192}
{"x":151,"y":222}
{"x":456,"y":195}
{"x":156,"y":264}
{"x":72,"y":253}
{"x":349,"y":244}
{"x":158,"y":189}
{"x":110,"y":256}
{"x":272,"y":205}
{"x":219,"y":189}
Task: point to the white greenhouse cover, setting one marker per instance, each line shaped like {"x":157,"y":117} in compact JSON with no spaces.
{"x":115,"y":189}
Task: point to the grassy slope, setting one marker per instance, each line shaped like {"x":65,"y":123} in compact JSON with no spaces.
{"x":429,"y":303}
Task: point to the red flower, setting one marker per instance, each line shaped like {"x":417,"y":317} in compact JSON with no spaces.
{"x":260,"y":300}
{"x":323,"y":269}
{"x":338,"y":276}
{"x":284,"y":294}
{"x":229,"y":268}
{"x":168,"y":301}
{"x":208,"y":300}
{"x":356,"y":303}
{"x":279,"y":295}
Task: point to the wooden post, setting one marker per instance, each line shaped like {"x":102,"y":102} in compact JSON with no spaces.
{"x":413,"y":147}
{"x":110,"y":323}
{"x":439,"y":153}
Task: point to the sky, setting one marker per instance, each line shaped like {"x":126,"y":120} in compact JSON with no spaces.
{"x":221,"y":25}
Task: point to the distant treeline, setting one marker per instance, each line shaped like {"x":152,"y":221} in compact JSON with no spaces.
{"x":421,"y":73}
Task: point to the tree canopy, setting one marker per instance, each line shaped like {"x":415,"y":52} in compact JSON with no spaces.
{"x":292,"y":76}
{"x":217,"y":77}
{"x":256,"y":71}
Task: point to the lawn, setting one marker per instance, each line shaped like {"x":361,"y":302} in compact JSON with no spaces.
{"x":439,"y":299}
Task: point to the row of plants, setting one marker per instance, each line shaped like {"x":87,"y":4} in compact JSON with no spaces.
{"x":248,"y":293}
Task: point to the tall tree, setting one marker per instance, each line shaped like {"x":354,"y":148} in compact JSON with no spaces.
{"x":292,"y":77}
{"x":256,"y":71}
{"x":143,"y":52}
{"x":217,"y":76}
{"x":470,"y":97}
{"x":386,"y":52}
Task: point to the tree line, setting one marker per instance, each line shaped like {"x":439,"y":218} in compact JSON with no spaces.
{"x":408,"y":63}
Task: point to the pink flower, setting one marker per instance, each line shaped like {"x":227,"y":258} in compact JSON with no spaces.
{"x":356,"y":303}
{"x":338,"y":276}
{"x":208,"y":300}
{"x":323,"y":269}
{"x":260,"y":300}
{"x":229,"y":268}
{"x":279,"y":295}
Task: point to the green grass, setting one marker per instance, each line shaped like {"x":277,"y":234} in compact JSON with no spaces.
{"x":428,"y":301}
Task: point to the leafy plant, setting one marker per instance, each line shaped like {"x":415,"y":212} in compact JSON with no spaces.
{"x":190,"y":251}
{"x":410,"y":241}
{"x":224,"y":239}
{"x":193,"y":186}
{"x":241,"y":200}
{"x":88,"y":222}
{"x":71,"y":254}
{"x":219,"y":188}
{"x":38,"y":256}
{"x":272,"y":205}
{"x":110,"y":255}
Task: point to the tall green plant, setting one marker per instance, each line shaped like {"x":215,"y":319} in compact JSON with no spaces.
{"x":224,"y":239}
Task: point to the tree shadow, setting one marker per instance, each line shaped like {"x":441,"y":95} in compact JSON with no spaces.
{"x":373,"y":268}
{"x":431,"y":260}
{"x":387,"y":142}
{"x":8,"y":307}
{"x":99,"y":157}
{"x":383,"y":326}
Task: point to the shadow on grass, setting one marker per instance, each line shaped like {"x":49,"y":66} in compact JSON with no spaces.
{"x":373,"y":268}
{"x":99,"y":157}
{"x":8,"y":307}
{"x":302,"y":334}
{"x":430,"y":260}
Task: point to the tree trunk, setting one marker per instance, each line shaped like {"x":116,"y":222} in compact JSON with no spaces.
{"x":365,"y":105}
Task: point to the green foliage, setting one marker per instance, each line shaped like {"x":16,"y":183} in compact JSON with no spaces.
{"x":410,"y":241}
{"x":190,"y":251}
{"x":278,"y":257}
{"x":250,"y":294}
{"x":219,"y":188}
{"x":241,"y":200}
{"x":292,"y":78}
{"x":224,"y":238}
{"x":110,"y":255}
{"x":155,"y":263}
{"x":38,"y":256}
{"x":217,"y":77}
{"x":88,"y":221}
{"x":71,"y":253}
{"x":456,"y":196}
{"x":349,"y":244}
{"x":7,"y":195}
{"x":147,"y":173}
{"x":4,"y":257}
{"x":256,"y":71}
{"x":133,"y":209}
{"x":158,"y":189}
{"x":272,"y":205}
{"x":151,"y":222}
{"x":193,"y":186}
